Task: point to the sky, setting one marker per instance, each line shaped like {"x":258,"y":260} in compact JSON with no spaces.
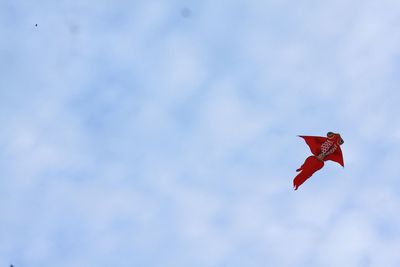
{"x":164,"y":133}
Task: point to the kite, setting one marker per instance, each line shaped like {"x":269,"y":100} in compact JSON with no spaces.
{"x":323,"y":149}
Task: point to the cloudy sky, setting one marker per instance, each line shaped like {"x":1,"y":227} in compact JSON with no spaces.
{"x":163,"y":133}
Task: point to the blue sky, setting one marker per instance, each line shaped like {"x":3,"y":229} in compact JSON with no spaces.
{"x":134,"y":136}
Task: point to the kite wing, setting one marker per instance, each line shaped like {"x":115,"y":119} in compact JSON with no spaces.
{"x":336,"y":156}
{"x":314,"y":142}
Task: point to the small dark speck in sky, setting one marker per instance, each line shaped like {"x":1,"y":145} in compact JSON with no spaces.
{"x":35,"y":26}
{"x":74,"y":28}
{"x":186,"y":12}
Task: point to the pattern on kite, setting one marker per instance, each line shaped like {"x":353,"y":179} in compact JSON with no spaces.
{"x":323,"y":149}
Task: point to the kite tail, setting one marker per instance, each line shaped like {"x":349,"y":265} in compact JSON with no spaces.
{"x":310,"y":166}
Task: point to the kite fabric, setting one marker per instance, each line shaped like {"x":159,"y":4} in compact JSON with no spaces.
{"x":323,"y":149}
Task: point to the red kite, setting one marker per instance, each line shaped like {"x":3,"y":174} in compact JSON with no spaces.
{"x":323,"y":149}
